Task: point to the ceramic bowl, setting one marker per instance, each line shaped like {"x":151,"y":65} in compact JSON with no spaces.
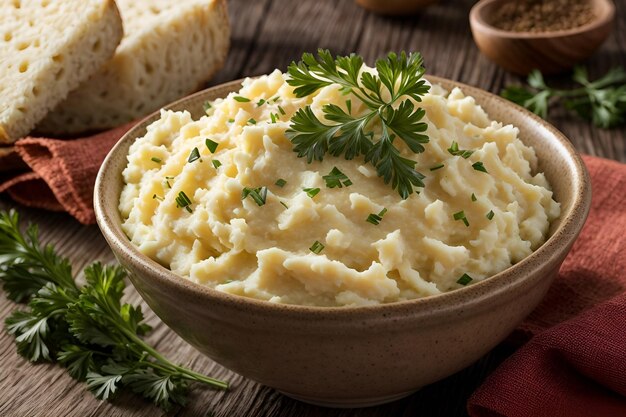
{"x":356,"y":356}
{"x":549,"y":52}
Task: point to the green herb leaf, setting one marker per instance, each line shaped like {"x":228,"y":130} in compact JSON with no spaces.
{"x":194,"y":155}
{"x":251,"y":121}
{"x":155,"y":159}
{"x":182,"y":201}
{"x":316,"y":248}
{"x":311,"y":192}
{"x":216,"y":163}
{"x":211,"y":145}
{"x":336,"y":179}
{"x":259,"y":195}
{"x":241,"y":99}
{"x":461,"y":216}
{"x":464,"y":279}
{"x":602,"y":101}
{"x":474,"y":197}
{"x":206,"y":106}
{"x":436,"y":167}
{"x":490,"y":214}
{"x":350,"y":135}
{"x":463,"y":153}
{"x":280,"y":182}
{"x":376,"y":218}
{"x":478,"y":166}
{"x":281,"y":110}
{"x":87,"y":329}
{"x":260,"y":103}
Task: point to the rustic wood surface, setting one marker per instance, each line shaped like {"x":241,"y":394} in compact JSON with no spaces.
{"x":269,"y":34}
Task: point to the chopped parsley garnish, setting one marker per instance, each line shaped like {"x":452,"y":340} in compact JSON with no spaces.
{"x":231,"y":120}
{"x":454,"y":150}
{"x":281,"y":110}
{"x":474,"y":197}
{"x":182,"y":201}
{"x":194,"y":155}
{"x":436,"y":167}
{"x":275,"y":99}
{"x":464,"y":280}
{"x":280,"y":182}
{"x":258,"y":194}
{"x":349,"y":106}
{"x":311,"y":192}
{"x":251,"y":121}
{"x":274,"y":117}
{"x":478,"y":166}
{"x":461,"y":216}
{"x":284,"y":205}
{"x":317,"y":247}
{"x":206,"y":106}
{"x":376,"y":218}
{"x":241,"y":99}
{"x":388,"y":98}
{"x":216,"y":163}
{"x":155,"y":159}
{"x":336,"y":178}
{"x":260,"y":103}
{"x":490,"y":214}
{"x":156,"y":197}
{"x":211,"y":145}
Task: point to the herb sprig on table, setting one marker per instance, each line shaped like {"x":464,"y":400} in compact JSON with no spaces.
{"x":602,"y":101}
{"x":399,"y":79}
{"x":87,"y":329}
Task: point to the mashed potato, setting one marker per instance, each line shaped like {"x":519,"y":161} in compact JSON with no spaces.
{"x":421,"y":246}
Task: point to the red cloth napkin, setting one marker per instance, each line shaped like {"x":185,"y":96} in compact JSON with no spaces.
{"x":575,"y":365}
{"x":63,"y":172}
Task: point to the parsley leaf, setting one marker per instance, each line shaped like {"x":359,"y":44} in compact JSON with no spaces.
{"x":87,"y":329}
{"x":399,"y":77}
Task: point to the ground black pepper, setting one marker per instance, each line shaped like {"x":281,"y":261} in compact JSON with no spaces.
{"x":543,"y":15}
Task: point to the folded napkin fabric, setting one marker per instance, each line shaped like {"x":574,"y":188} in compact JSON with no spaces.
{"x":575,"y":365}
{"x":63,"y":172}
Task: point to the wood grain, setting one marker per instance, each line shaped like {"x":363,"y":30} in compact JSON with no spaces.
{"x":269,"y":34}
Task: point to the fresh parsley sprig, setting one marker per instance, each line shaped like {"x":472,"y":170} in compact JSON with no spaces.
{"x":399,"y":77}
{"x":602,"y":101}
{"x":87,"y":329}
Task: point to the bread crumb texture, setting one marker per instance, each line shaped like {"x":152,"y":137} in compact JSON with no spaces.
{"x":170,"y":49}
{"x":47,"y":48}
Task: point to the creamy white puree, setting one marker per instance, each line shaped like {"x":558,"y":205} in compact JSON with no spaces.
{"x":417,"y":250}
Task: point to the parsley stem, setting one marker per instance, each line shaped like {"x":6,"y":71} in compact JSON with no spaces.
{"x":167,"y":364}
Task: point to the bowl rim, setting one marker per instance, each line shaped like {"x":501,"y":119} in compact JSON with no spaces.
{"x":459,"y":300}
{"x":477,"y":21}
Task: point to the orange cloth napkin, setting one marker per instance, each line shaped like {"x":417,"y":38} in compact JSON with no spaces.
{"x":569,"y":368}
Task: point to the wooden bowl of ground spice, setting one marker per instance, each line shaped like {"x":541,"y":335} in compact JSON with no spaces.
{"x":548,"y":35}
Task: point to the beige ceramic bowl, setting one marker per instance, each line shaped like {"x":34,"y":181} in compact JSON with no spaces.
{"x":356,"y":356}
{"x":549,"y":52}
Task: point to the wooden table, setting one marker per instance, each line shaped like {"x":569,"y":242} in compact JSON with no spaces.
{"x":269,"y":34}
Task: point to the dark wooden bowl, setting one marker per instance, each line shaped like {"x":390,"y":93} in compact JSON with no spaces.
{"x":549,"y":52}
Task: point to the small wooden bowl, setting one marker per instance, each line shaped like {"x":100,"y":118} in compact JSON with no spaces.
{"x":394,"y":7}
{"x":549,"y":52}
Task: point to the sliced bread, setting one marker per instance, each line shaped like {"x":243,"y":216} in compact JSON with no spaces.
{"x":47,"y":48}
{"x":170,"y":49}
